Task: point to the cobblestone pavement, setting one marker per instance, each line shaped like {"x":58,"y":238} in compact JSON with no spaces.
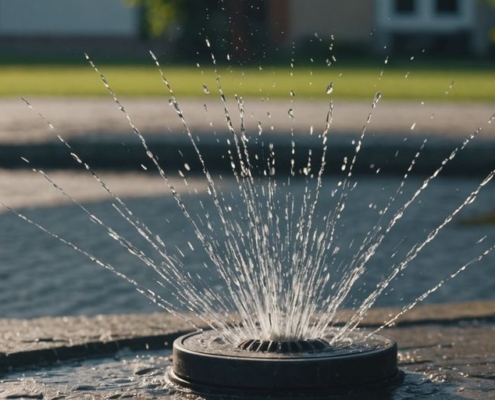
{"x":447,"y":351}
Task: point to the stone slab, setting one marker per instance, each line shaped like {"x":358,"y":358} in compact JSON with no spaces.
{"x":47,"y":340}
{"x":24,"y":342}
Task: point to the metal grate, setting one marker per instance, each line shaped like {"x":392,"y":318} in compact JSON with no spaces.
{"x":285,"y":346}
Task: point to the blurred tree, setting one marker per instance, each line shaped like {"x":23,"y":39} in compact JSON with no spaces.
{"x":236,"y":27}
{"x":159,"y":14}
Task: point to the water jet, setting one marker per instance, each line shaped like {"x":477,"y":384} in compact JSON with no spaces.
{"x":267,"y":270}
{"x":205,"y":362}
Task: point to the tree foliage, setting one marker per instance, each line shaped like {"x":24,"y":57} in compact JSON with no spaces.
{"x":159,"y":14}
{"x":232,"y":26}
{"x":195,"y":20}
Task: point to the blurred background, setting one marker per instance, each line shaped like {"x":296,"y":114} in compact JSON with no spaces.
{"x":431,"y":60}
{"x":248,"y":31}
{"x":439,"y":35}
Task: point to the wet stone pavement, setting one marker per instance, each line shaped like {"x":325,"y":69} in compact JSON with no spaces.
{"x":446,"y":352}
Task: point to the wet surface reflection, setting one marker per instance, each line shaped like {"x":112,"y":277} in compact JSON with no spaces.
{"x":143,"y":375}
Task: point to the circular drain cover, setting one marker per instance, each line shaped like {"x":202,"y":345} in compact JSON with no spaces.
{"x":205,"y":363}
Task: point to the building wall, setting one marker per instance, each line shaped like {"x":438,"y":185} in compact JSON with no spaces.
{"x":349,"y":21}
{"x":86,"y":18}
{"x":464,"y":30}
{"x":425,"y":19}
{"x":485,"y":23}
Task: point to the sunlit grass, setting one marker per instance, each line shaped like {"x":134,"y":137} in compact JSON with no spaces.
{"x":349,"y":82}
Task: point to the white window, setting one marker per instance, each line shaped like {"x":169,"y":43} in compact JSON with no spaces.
{"x":406,"y":7}
{"x":430,"y":16}
{"x":447,"y":7}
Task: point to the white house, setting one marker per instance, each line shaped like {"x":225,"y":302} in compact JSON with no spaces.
{"x":392,"y":23}
{"x":425,"y":20}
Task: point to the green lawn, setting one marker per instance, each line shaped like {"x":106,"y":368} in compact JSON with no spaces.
{"x":350,"y":82}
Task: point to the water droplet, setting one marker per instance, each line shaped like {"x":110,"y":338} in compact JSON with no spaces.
{"x":187,"y":167}
{"x":291,"y":113}
{"x":292,"y":94}
{"x":205,"y":89}
{"x":75,"y":157}
{"x":330,"y":88}
{"x":377,"y":98}
{"x":207,"y":43}
{"x":386,"y":60}
{"x":94,"y":219}
{"x":413,"y":126}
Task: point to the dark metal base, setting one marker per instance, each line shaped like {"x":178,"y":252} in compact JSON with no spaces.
{"x":205,"y":363}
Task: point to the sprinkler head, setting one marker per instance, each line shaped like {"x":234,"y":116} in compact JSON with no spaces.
{"x":205,"y":363}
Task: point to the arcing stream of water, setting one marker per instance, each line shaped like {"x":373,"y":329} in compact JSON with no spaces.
{"x":279,"y":267}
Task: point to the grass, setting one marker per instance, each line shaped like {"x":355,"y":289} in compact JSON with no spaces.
{"x":350,"y":82}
